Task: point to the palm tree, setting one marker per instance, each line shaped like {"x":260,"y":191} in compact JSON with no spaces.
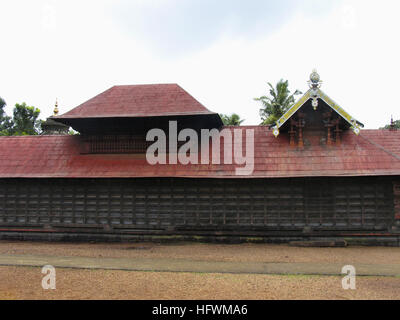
{"x":280,"y":101}
{"x":232,"y":120}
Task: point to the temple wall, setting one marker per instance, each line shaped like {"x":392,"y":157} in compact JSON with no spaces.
{"x":396,"y":196}
{"x":324,"y":206}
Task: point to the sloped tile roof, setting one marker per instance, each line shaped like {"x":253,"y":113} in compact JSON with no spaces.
{"x":372,"y":153}
{"x":138,"y":101}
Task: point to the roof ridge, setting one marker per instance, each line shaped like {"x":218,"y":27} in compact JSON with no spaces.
{"x":146,"y":84}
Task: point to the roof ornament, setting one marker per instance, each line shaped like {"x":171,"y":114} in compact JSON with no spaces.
{"x":275,"y":132}
{"x":392,"y":126}
{"x":52,"y":127}
{"x":55,"y":112}
{"x":314,"y":84}
{"x":355,"y":127}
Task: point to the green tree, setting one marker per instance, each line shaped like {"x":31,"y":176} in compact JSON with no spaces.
{"x":5,"y":121}
{"x":2,"y":105}
{"x":25,"y":120}
{"x":396,"y":125}
{"x":279,"y":101}
{"x":232,"y":120}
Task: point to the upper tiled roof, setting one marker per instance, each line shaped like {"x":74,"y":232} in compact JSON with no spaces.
{"x":372,"y":153}
{"x":138,"y":101}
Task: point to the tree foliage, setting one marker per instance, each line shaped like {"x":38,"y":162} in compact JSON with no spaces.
{"x":5,"y":121}
{"x":396,"y":125}
{"x":25,"y":120}
{"x":232,"y":120}
{"x":280,"y":99}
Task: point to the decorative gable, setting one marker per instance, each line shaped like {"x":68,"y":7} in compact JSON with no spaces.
{"x":315,"y":111}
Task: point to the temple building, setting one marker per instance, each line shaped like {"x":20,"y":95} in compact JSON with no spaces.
{"x":316,"y":173}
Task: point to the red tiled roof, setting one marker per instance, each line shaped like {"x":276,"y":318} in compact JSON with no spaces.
{"x":374,"y":152}
{"x":138,"y":101}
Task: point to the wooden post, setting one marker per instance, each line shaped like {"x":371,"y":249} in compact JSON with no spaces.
{"x":337,"y":132}
{"x":301,"y":143}
{"x":292,"y":133}
{"x":300,"y":125}
{"x":328,"y":125}
{"x":329,"y":139}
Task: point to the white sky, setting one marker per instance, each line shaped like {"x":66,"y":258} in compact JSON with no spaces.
{"x":223,"y":56}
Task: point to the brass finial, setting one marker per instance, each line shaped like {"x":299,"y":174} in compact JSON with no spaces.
{"x":56,"y":108}
{"x":315,"y":80}
{"x":314,"y":84}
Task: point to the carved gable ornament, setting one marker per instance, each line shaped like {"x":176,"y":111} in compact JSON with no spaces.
{"x":328,"y":116}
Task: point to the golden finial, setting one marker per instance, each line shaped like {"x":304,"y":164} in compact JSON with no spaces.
{"x":56,"y":108}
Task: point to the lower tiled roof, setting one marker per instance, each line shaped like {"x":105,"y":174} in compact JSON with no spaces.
{"x":373,"y":152}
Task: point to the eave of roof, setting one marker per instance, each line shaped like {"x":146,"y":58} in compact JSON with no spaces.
{"x":137,"y":115}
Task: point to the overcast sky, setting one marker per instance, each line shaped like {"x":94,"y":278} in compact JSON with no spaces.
{"x":223,"y":52}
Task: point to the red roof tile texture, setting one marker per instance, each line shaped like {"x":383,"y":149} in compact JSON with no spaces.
{"x":139,"y":101}
{"x":372,"y":153}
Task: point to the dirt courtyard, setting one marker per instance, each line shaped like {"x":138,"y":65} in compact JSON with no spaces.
{"x":25,"y":283}
{"x":18,"y":282}
{"x":246,"y":252}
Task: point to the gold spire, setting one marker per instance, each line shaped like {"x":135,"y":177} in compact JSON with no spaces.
{"x":55,"y":109}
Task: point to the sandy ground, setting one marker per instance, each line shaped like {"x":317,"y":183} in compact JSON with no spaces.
{"x":25,"y":282}
{"x":208,"y":252}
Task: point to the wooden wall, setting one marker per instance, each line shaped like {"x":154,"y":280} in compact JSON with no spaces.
{"x":324,"y":204}
{"x":396,"y":194}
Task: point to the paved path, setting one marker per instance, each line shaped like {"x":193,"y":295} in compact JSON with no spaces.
{"x":186,"y":265}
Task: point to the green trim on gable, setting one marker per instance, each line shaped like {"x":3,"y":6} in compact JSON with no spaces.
{"x":293,"y":109}
{"x":355,"y":125}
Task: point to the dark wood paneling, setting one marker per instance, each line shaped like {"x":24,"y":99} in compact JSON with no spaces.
{"x":396,"y":194}
{"x":200,"y":204}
